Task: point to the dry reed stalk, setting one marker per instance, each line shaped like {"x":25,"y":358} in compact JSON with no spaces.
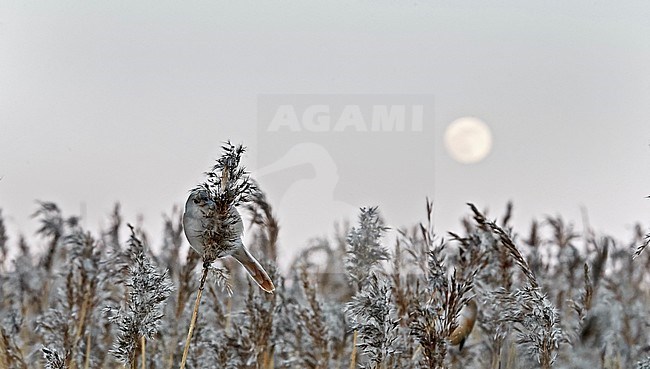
{"x":353,"y":356}
{"x":195,"y":312}
{"x":87,"y":359}
{"x":143,"y":351}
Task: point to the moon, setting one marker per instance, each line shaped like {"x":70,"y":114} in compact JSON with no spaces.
{"x":468,"y":140}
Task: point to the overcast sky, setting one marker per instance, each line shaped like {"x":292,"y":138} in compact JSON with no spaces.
{"x":129,"y":101}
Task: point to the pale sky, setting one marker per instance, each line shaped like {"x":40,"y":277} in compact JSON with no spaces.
{"x":129,"y":101}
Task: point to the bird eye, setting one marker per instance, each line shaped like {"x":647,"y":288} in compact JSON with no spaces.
{"x":196,"y":201}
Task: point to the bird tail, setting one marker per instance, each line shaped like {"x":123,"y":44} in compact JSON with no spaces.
{"x":254,"y":268}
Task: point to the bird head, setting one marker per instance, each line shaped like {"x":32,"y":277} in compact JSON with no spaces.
{"x":200,"y":197}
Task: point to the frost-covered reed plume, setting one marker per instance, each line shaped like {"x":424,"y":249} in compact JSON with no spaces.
{"x":140,"y":318}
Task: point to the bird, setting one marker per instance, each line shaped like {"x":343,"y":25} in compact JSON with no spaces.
{"x":465,"y":325}
{"x":196,"y":219}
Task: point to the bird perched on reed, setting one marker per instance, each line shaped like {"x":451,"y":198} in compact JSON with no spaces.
{"x":216,"y":233}
{"x":465,"y":324}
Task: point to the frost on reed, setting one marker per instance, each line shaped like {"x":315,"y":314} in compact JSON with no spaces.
{"x":140,"y":317}
{"x":365,"y":249}
{"x":53,"y":359}
{"x":552,"y":296}
{"x":535,"y":319}
{"x":643,"y":364}
{"x":372,"y":315}
{"x":439,"y":304}
{"x":228,"y":186}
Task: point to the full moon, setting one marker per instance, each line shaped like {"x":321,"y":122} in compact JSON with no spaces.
{"x":468,"y":140}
